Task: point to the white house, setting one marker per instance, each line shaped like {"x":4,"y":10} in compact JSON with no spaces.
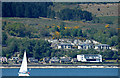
{"x":65,"y":46}
{"x":3,"y":59}
{"x":53,"y":40}
{"x":15,"y":58}
{"x":89,"y":58}
{"x":77,"y":41}
{"x":102,"y":46}
{"x":85,"y":46}
{"x":65,"y":59}
{"x":54,"y":60}
{"x":95,"y":42}
{"x":32,"y":60}
{"x":87,"y":42}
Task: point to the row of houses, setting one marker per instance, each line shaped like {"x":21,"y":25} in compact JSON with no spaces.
{"x":18,"y":60}
{"x":65,"y":59}
{"x":73,"y":41}
{"x":80,"y":58}
{"x":83,"y":46}
{"x":3,"y":59}
{"x":79,"y":44}
{"x":59,"y":60}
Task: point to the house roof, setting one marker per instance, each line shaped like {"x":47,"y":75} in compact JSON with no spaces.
{"x":65,"y":44}
{"x":3,"y":58}
{"x":74,"y":59}
{"x":85,"y":44}
{"x":54,"y":59}
{"x":65,"y":58}
{"x":31,"y":58}
{"x":91,"y":55}
{"x":102,"y":45}
{"x":15,"y":57}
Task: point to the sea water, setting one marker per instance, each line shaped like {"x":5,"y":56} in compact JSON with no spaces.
{"x":64,"y":72}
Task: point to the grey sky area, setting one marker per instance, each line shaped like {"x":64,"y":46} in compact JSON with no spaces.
{"x":60,"y":0}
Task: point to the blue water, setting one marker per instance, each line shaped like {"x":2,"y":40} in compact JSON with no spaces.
{"x":65,"y":72}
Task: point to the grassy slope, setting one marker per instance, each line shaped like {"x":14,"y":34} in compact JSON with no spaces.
{"x":38,"y":22}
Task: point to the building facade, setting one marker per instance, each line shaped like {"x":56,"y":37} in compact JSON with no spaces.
{"x":65,"y":46}
{"x":54,"y":60}
{"x":102,"y":46}
{"x":85,"y":46}
{"x":89,"y":58}
{"x":3,"y":59}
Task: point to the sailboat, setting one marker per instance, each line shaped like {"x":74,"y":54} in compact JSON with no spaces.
{"x":23,"y":68}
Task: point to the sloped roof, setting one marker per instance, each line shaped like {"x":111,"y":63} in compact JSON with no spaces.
{"x":65,"y":44}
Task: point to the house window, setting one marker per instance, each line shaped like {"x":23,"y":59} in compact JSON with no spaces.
{"x":82,"y":46}
{"x":69,"y":46}
{"x":61,"y":46}
{"x":65,"y":46}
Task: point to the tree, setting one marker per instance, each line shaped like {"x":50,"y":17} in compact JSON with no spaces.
{"x":108,"y":54}
{"x":115,"y":56}
{"x":50,"y":13}
{"x":80,"y":32}
{"x":98,"y":9}
{"x":74,"y":32}
{"x":56,"y":28}
{"x":4,"y":38}
{"x":62,"y":26}
{"x":25,"y":9}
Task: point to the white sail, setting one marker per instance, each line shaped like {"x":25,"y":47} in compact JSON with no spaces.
{"x":23,"y":67}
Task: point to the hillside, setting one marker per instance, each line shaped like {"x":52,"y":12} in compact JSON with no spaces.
{"x":106,"y":25}
{"x":29,"y":32}
{"x":49,"y":22}
{"x":101,"y":9}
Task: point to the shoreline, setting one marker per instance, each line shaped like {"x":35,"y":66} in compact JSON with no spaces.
{"x":58,"y":66}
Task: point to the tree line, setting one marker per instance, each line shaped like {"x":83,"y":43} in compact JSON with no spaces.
{"x":74,"y":14}
{"x":42,"y":9}
{"x":25,"y":9}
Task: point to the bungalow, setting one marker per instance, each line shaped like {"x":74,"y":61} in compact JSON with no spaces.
{"x":54,"y":45}
{"x":89,"y":58}
{"x":65,"y":46}
{"x":32,"y":60}
{"x":74,"y":60}
{"x":65,"y":59}
{"x":46,"y":59}
{"x":77,"y":41}
{"x":102,"y":46}
{"x":54,"y":60}
{"x":3,"y":59}
{"x":88,"y":41}
{"x":20,"y":61}
{"x":61,"y":40}
{"x":85,"y":46}
{"x":14,"y":58}
{"x":53,"y":41}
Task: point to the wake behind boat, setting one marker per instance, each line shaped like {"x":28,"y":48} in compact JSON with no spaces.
{"x":23,"y":68}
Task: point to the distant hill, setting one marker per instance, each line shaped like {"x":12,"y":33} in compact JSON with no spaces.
{"x":110,"y":9}
{"x":101,"y":9}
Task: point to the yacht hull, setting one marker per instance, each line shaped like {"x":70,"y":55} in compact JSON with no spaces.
{"x":24,"y":75}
